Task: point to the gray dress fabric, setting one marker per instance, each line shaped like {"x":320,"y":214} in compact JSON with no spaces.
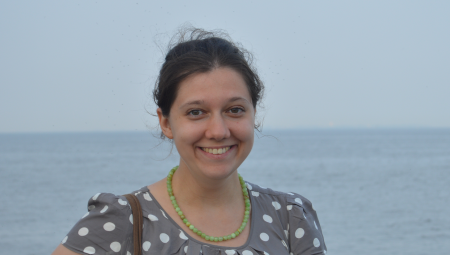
{"x":281,"y":224}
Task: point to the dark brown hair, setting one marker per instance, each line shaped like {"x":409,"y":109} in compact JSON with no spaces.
{"x":199,"y":51}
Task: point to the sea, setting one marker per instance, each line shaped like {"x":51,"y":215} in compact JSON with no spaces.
{"x":376,"y":191}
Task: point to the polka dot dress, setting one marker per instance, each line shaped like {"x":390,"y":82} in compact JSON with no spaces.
{"x":281,"y":224}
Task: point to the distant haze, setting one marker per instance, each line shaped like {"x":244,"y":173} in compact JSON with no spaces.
{"x":91,"y":66}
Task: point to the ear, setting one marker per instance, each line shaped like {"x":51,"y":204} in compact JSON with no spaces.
{"x":164,"y":124}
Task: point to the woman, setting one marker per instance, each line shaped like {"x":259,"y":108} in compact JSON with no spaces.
{"x":207,"y":95}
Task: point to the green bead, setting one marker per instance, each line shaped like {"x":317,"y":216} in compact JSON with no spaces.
{"x":195,"y":230}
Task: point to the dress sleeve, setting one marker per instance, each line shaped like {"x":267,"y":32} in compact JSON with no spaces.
{"x":305,"y":233}
{"x":106,"y":228}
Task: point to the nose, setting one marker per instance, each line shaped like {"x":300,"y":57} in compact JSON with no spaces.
{"x":217,"y":129}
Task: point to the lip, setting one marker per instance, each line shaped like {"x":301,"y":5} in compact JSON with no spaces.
{"x":217,"y":156}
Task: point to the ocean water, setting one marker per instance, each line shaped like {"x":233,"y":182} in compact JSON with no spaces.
{"x":375,"y":191}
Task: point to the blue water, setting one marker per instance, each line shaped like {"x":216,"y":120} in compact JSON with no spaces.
{"x":376,"y":191}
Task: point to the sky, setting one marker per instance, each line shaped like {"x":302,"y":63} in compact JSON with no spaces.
{"x":76,"y":66}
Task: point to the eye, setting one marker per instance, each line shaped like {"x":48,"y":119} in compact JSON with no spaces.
{"x":236,"y":110}
{"x":195,"y":112}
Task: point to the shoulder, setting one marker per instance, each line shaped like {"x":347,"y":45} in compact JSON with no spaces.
{"x":294,"y":214}
{"x":107,"y":226}
{"x":287,"y":199}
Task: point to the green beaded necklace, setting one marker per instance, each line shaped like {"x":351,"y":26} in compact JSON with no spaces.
{"x":194,"y":229}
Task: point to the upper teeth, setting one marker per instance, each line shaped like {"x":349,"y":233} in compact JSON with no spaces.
{"x":216,"y":151}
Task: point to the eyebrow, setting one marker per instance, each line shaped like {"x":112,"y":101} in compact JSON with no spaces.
{"x":199,"y":102}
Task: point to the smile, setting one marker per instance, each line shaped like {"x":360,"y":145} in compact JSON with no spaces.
{"x":216,"y":151}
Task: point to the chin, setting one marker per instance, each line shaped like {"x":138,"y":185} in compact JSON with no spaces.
{"x":218,"y":172}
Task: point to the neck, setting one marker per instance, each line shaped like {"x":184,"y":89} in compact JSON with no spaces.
{"x":202,"y":191}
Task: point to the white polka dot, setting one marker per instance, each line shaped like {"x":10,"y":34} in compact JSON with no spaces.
{"x":247,"y":252}
{"x":249,"y":186}
{"x":91,"y":207}
{"x":83,"y":231}
{"x":289,"y":207}
{"x":164,"y":237}
{"x":262,"y":187}
{"x":286,"y":233}
{"x":315,"y":225}
{"x":299,"y":233}
{"x":316,"y":242}
{"x":64,"y":240}
{"x":284,"y":243}
{"x":230,"y":252}
{"x":115,"y":246}
{"x":276,"y":205}
{"x":265,"y":253}
{"x":287,"y":226}
{"x":264,"y":237}
{"x":96,"y":196}
{"x":255,"y":193}
{"x":131,"y":218}
{"x":164,"y":214}
{"x":290,"y":193}
{"x":104,"y":209}
{"x":146,"y":245}
{"x":267,"y":218}
{"x":128,"y":253}
{"x":89,"y":250}
{"x":325,"y":251}
{"x":122,"y":202}
{"x":182,"y":235}
{"x":312,"y":206}
{"x":147,"y":196}
{"x":85,"y":215}
{"x":298,"y":200}
{"x":109,"y":226}
{"x":185,"y":248}
{"x":152,"y":217}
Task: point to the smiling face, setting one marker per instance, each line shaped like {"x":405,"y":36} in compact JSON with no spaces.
{"x":211,"y":123}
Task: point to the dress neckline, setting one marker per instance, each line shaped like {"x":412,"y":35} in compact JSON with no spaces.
{"x":246,"y":244}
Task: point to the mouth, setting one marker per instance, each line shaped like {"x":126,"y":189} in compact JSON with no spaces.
{"x":217,"y":150}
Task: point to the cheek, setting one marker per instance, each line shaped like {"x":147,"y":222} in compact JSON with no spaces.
{"x":186,"y":135}
{"x":244,"y":131}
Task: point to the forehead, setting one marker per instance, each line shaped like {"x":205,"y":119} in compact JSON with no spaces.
{"x":216,"y":86}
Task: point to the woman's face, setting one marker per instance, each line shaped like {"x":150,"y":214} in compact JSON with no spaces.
{"x":211,"y":123}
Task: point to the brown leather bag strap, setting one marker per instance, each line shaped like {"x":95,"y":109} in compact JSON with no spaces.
{"x":137,"y":222}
